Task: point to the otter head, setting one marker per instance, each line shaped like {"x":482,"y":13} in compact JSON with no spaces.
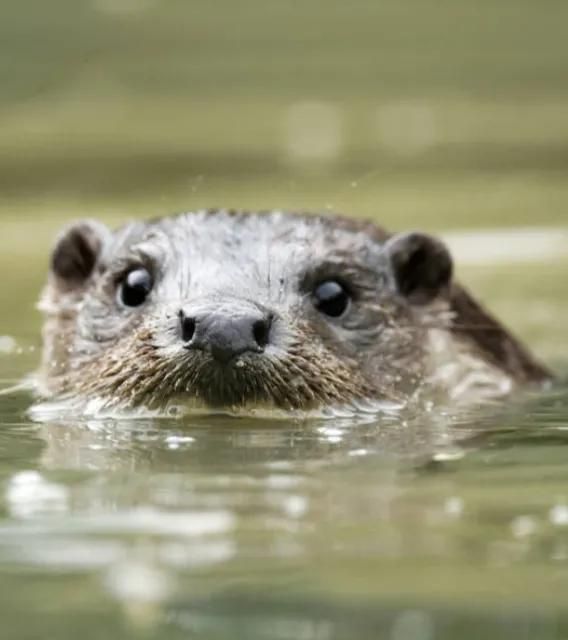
{"x":234,"y":309}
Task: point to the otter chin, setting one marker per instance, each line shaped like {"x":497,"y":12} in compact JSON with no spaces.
{"x":229,"y":309}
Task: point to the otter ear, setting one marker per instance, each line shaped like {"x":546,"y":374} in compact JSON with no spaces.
{"x":77,"y":251}
{"x":422,"y":266}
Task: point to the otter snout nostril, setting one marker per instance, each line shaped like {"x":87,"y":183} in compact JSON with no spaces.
{"x":226,"y":333}
{"x":261,"y":330}
{"x":187,"y":327}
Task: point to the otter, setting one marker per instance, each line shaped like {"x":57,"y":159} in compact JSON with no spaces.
{"x":228,"y":309}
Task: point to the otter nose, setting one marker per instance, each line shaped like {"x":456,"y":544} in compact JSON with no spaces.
{"x":224,"y":334}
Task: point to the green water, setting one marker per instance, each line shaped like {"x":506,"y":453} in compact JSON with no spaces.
{"x":433,"y":114}
{"x":235,"y":528}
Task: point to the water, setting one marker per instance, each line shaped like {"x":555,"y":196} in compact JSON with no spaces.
{"x":417,"y":526}
{"x":425,"y":114}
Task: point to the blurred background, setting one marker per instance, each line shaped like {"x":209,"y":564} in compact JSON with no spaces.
{"x":449,"y":116}
{"x":430,"y":114}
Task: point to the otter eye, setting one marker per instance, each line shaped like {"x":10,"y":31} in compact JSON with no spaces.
{"x":135,"y":287}
{"x":331,"y":298}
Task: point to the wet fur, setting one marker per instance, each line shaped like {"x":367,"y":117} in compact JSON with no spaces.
{"x":385,"y":349}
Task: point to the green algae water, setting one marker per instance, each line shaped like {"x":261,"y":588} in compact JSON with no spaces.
{"x":448,"y":117}
{"x":221,"y":527}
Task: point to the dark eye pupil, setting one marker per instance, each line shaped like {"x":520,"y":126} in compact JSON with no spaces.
{"x":331,"y":298}
{"x":135,"y":288}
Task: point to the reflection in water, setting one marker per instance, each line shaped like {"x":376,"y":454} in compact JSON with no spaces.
{"x":109,"y":443}
{"x":236,"y":528}
{"x":28,"y":494}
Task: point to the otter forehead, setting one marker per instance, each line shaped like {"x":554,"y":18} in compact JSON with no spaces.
{"x":210,"y":251}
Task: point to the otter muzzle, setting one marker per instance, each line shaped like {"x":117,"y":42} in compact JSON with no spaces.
{"x":225,"y":334}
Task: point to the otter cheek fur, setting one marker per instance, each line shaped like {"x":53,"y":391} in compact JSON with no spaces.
{"x":234,"y":309}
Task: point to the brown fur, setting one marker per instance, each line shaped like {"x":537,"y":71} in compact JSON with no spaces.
{"x":381,"y":350}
